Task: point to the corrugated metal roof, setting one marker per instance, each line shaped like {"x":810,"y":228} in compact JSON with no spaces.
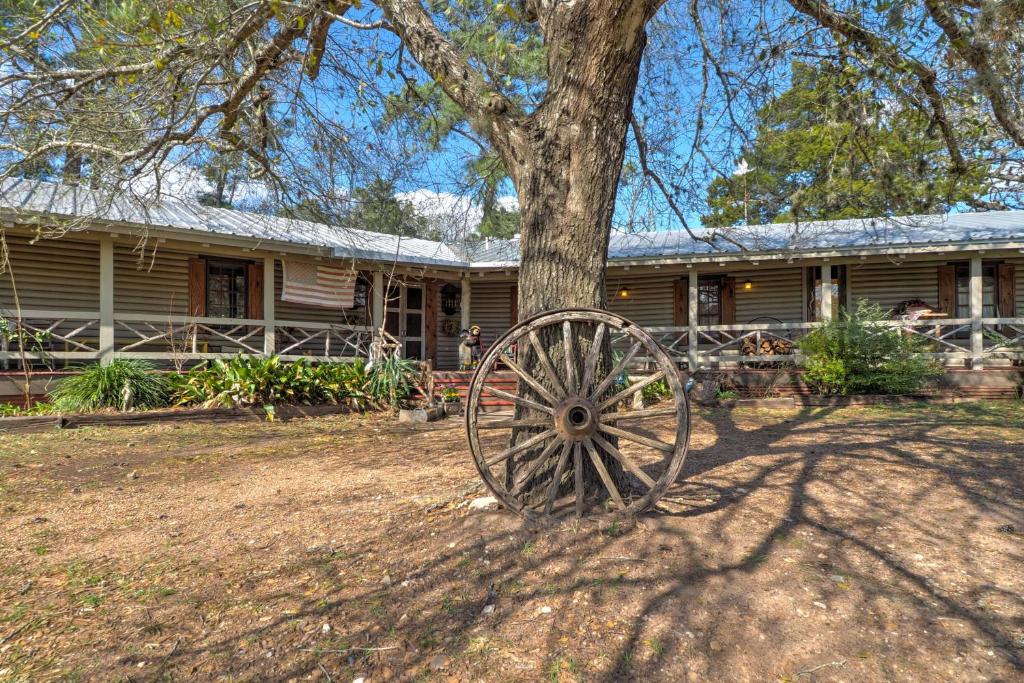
{"x":42,"y":198}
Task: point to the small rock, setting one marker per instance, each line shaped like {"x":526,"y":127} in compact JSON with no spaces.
{"x":715,"y":646}
{"x":822,"y":556}
{"x":838,"y":578}
{"x":131,"y":444}
{"x":821,"y":605}
{"x":358,"y":679}
{"x":386,"y":580}
{"x":488,"y":609}
{"x":438,"y":662}
{"x":326,"y":628}
{"x":483,"y":503}
{"x":545,"y":610}
{"x":134,"y":474}
{"x":1006,"y":529}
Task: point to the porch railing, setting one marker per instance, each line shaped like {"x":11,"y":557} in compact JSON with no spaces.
{"x":59,"y":338}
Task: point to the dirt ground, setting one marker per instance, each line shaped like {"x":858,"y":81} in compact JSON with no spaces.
{"x":807,"y":545}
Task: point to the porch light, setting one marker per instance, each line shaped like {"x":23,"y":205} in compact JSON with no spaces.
{"x":451,"y":299}
{"x":623,"y":292}
{"x":747,"y":284}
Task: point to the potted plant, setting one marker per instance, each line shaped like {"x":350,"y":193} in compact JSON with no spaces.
{"x":450,"y":400}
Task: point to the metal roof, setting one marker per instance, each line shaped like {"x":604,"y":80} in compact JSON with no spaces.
{"x":43,"y":199}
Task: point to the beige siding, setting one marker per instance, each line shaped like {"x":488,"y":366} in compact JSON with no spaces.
{"x":1019,"y":263}
{"x":153,"y":281}
{"x":60,"y":274}
{"x":887,"y":284}
{"x":650,"y":296}
{"x":774,"y":293}
{"x":491,"y":308}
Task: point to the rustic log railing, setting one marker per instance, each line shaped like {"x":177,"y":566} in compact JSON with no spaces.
{"x":59,"y":338}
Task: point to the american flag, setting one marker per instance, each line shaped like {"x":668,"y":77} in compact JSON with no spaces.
{"x":317,"y":285}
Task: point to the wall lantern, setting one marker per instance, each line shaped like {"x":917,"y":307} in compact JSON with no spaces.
{"x":451,"y":299}
{"x":623,"y":293}
{"x":747,"y":284}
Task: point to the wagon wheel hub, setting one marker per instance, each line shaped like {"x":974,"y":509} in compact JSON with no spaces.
{"x":576,"y":418}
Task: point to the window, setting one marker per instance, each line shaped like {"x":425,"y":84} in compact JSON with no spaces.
{"x":709,"y":301}
{"x":226,"y":289}
{"x":963,"y":291}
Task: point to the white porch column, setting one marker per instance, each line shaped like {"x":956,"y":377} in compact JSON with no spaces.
{"x":692,"y":338}
{"x":977,"y":307}
{"x":825,"y":294}
{"x":378,"y":300}
{"x":466,"y":295}
{"x":269,"y":326}
{"x":106,"y":346}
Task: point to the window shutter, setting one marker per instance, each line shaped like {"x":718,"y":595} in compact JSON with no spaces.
{"x":947,"y":290}
{"x":1006,"y":290}
{"x":254,"y":291}
{"x":681,"y":302}
{"x":197,"y":287}
{"x":728,"y":301}
{"x":514,"y":313}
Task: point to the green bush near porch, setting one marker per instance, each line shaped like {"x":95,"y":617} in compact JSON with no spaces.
{"x":123,"y":384}
{"x":857,"y":353}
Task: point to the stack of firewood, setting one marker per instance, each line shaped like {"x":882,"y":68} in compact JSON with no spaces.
{"x":767,"y":345}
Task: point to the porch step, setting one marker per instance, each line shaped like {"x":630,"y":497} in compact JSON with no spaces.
{"x":460,"y":379}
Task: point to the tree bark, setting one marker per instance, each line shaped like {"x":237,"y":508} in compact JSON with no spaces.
{"x":565,"y":162}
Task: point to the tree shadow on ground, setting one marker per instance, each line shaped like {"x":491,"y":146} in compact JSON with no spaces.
{"x":866,"y":548}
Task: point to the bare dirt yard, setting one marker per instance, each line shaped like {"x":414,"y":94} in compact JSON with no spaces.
{"x":872,"y":544}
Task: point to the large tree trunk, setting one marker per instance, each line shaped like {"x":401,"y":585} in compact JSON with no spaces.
{"x":566,"y":166}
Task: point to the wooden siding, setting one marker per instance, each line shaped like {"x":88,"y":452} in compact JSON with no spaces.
{"x":491,"y":308}
{"x":774,"y":293}
{"x":59,"y":274}
{"x":650,"y":295}
{"x":887,"y":284}
{"x":152,"y":282}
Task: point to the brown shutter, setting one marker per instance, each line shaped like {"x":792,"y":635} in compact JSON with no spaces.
{"x":681,"y":302}
{"x":254,"y":291}
{"x":197,"y":287}
{"x":514,"y":312}
{"x":430,"y":322}
{"x":1006,"y":290}
{"x":947,"y":290}
{"x":728,"y":301}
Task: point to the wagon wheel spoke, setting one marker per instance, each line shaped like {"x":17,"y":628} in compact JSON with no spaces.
{"x":519,"y":400}
{"x":514,"y":424}
{"x":556,"y":480}
{"x":590,"y":363}
{"x":519,"y":448}
{"x":626,"y":461}
{"x":630,"y":390}
{"x":577,"y":464}
{"x":545,"y":362}
{"x":602,"y":471}
{"x":616,"y":371}
{"x":638,"y":414}
{"x":570,"y":358}
{"x":535,"y":466}
{"x":637,"y":438}
{"x":529,"y":379}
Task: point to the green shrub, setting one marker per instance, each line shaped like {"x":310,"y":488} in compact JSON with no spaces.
{"x":656,"y":391}
{"x":250,"y":380}
{"x":857,"y":353}
{"x":123,"y":384}
{"x":392,"y":379}
{"x":13,"y":410}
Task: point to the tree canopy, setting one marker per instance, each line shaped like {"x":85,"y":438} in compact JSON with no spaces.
{"x":829,"y":148}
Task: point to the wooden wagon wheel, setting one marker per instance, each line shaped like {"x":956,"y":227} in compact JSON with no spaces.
{"x":566,"y":418}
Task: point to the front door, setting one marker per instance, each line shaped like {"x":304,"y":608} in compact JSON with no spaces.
{"x":404,"y":319}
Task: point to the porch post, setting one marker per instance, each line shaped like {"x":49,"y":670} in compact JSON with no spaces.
{"x":106,"y":345}
{"x":269,"y":326}
{"x":692,"y":338}
{"x":378,"y":299}
{"x":825,"y":295}
{"x":977,"y":307}
{"x":466,"y":292}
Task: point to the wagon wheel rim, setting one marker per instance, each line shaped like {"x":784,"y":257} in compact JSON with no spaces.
{"x":575,"y":413}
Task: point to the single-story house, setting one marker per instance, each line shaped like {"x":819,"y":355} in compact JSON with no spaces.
{"x":90,"y":278}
